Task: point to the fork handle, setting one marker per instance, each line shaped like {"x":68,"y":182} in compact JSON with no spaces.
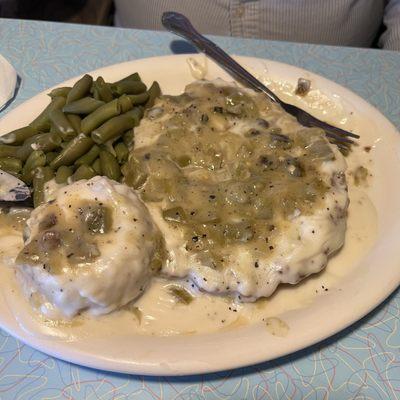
{"x":180,"y":25}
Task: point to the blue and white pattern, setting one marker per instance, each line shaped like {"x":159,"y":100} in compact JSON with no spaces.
{"x":361,"y":362}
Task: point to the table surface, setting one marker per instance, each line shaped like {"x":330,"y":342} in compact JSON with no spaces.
{"x":361,"y":362}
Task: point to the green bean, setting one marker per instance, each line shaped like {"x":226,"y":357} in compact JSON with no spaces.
{"x":108,"y":146}
{"x":85,"y":105}
{"x":80,"y":89}
{"x":50,"y":156}
{"x":112,"y":129}
{"x":181,"y":295}
{"x":9,"y":151}
{"x":11,"y":164}
{"x":97,"y":167}
{"x":95,"y":93}
{"x":125,"y":168}
{"x":139,"y":98}
{"x":75,"y":121}
{"x":99,"y":116}
{"x":76,"y":148}
{"x":135,"y":115}
{"x":102,"y":90}
{"x":89,"y":157}
{"x":62,"y":125}
{"x":18,"y":136}
{"x":42,"y":121}
{"x":53,"y":130}
{"x":83,"y":172}
{"x":41,"y":176}
{"x":121,"y":152}
{"x":134,"y":176}
{"x":133,"y":77}
{"x":60,"y":91}
{"x":125,"y":103}
{"x":43,"y":141}
{"x":128,"y":87}
{"x":36,"y":159}
{"x":109,"y":165}
{"x":154,"y":92}
{"x":63,"y":173}
{"x":175,"y":214}
{"x":128,"y":137}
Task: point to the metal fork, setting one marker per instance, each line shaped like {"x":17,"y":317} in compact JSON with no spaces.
{"x":180,"y":25}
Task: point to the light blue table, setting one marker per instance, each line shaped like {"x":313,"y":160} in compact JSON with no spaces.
{"x":362,"y":362}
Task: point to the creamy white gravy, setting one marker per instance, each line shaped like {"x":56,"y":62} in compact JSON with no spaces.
{"x":162,"y":315}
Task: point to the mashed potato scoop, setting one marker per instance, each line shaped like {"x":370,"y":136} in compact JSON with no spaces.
{"x":94,"y":247}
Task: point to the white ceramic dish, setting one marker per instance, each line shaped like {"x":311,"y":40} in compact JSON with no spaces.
{"x":370,"y":277}
{"x":8,"y":81}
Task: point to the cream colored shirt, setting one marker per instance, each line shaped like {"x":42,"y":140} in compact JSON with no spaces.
{"x":335,"y":22}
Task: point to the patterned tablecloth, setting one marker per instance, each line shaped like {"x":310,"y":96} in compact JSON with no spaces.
{"x":361,"y":362}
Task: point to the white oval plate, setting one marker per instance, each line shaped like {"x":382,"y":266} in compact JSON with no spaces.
{"x":371,"y":278}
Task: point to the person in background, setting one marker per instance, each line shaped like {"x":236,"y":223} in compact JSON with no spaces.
{"x":360,"y":23}
{"x":77,"y":11}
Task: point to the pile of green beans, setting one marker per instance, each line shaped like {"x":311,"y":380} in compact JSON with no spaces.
{"x":86,"y":130}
